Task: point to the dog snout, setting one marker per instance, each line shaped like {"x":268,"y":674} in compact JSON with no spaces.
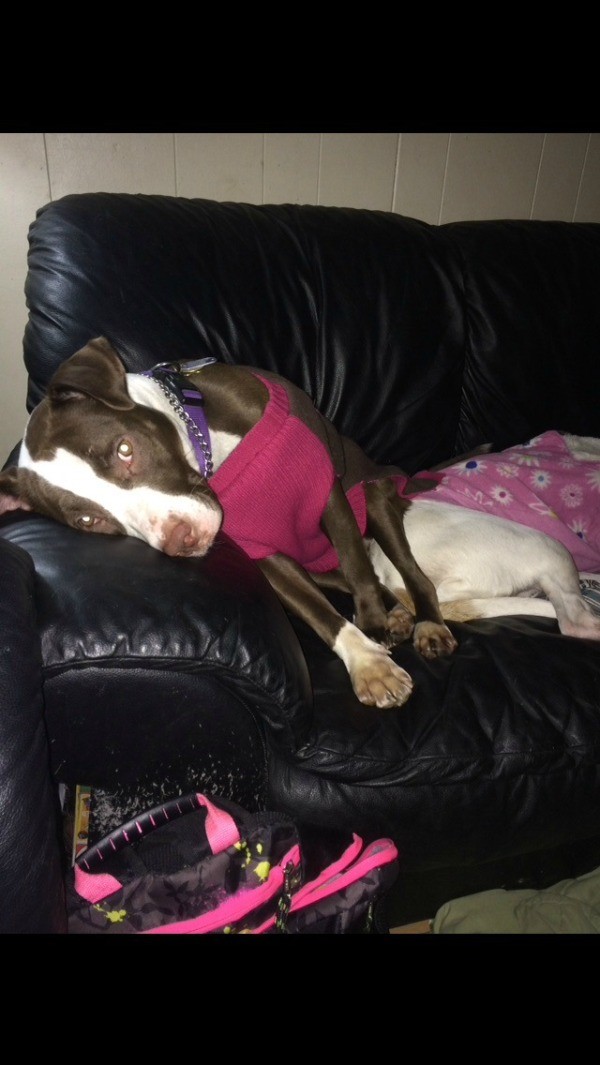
{"x":182,"y":537}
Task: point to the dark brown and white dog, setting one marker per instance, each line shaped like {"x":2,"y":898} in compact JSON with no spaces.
{"x":108,"y":452}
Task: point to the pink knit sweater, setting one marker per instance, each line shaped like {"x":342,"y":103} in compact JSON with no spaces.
{"x":275,"y":485}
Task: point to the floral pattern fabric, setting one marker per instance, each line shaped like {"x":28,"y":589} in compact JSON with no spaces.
{"x":539,"y":484}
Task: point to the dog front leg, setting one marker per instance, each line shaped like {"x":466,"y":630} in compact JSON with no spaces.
{"x":385,"y":512}
{"x":371,"y":615}
{"x":376,"y":679}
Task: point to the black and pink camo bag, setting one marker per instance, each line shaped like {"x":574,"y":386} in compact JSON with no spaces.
{"x":198,"y":865}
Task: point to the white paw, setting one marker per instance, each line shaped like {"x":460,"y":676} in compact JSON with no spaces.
{"x":376,"y":679}
{"x":380,"y":682}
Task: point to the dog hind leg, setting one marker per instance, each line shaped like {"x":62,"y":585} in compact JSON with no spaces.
{"x":502,"y":606}
{"x":577,"y":618}
{"x":561,"y":586}
{"x":497,"y":575}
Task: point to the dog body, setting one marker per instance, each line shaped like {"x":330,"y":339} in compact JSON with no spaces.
{"x":110,"y":452}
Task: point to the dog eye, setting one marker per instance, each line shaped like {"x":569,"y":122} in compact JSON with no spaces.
{"x":125,"y":450}
{"x":85,"y":521}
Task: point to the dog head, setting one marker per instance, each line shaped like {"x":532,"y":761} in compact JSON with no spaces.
{"x":94,"y":459}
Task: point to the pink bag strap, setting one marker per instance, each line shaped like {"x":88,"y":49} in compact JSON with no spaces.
{"x":93,"y":884}
{"x":351,"y":866}
{"x":93,"y":887}
{"x":221,"y":829}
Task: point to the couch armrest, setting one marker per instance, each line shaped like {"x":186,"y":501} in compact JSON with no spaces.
{"x":153,"y":664}
{"x":31,"y":851}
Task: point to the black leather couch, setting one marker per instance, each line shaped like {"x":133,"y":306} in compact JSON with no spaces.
{"x":153,"y":676}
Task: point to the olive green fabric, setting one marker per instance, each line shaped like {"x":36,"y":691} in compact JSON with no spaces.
{"x":569,"y":907}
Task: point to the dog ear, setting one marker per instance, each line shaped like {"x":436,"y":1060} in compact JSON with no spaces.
{"x":94,"y":371}
{"x":10,"y":492}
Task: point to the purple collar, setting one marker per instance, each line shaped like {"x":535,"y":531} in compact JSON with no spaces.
{"x":188,"y":403}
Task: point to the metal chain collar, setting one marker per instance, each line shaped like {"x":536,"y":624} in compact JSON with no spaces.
{"x":191,"y":426}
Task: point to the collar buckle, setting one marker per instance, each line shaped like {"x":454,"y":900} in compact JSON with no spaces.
{"x":173,"y":375}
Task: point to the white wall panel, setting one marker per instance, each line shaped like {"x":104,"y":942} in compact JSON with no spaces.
{"x":23,"y":188}
{"x":420,"y":178}
{"x":291,"y":167}
{"x":491,"y":175}
{"x":220,"y":166}
{"x":588,"y":202}
{"x":559,"y":176}
{"x":111,"y":162}
{"x":357,"y":170}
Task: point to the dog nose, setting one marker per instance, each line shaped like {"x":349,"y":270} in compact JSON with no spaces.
{"x":181,"y":539}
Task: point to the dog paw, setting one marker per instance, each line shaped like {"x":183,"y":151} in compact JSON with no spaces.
{"x":432,"y":639}
{"x":378,"y":681}
{"x":399,"y":625}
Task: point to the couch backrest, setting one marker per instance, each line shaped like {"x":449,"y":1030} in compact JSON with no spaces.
{"x":418,"y":341}
{"x":532,"y":314}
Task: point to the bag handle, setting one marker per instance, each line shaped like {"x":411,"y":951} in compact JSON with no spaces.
{"x":221,"y":829}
